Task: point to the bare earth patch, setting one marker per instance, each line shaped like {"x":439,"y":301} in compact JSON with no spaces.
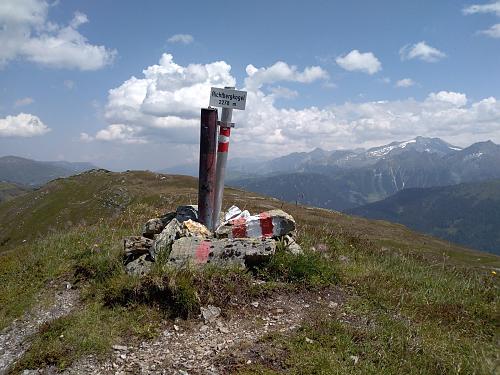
{"x":14,"y":340}
{"x":195,"y":347}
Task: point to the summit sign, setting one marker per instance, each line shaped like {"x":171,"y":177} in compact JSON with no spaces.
{"x":228,"y":98}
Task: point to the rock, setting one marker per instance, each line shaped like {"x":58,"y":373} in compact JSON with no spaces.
{"x":120,"y":347}
{"x":291,"y":245}
{"x":309,"y":341}
{"x":156,"y":225}
{"x":274,"y":223}
{"x":135,"y":246}
{"x":204,"y":328}
{"x":241,"y":251}
{"x":189,"y":212}
{"x":333,"y":305}
{"x":210,"y":313}
{"x":140,"y":266}
{"x":163,"y":243}
{"x":193,"y":228}
{"x":255,"y":304}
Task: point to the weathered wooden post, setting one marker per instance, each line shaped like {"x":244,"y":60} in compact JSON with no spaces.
{"x":229,"y":99}
{"x":206,"y":184}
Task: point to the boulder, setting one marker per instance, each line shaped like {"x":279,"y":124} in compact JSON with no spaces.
{"x":241,"y":251}
{"x":163,"y":243}
{"x":156,"y":225}
{"x":135,"y":246}
{"x":189,"y":212}
{"x":193,"y":228}
{"x":140,"y":266}
{"x":274,"y":223}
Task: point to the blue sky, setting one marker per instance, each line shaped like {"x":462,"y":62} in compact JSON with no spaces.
{"x":327,"y":74}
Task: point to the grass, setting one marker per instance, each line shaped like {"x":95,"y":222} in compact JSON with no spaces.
{"x":414,"y":304}
{"x":404,"y":316}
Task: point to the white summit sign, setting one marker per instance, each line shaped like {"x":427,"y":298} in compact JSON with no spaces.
{"x":228,"y":98}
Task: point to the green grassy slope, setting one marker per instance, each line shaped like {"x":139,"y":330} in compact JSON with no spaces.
{"x":414,"y":304}
{"x":9,"y":191}
{"x":468,"y":214}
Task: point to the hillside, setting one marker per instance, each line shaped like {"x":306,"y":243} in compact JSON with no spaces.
{"x":365,"y":297}
{"x":29,"y":172}
{"x":9,"y":191}
{"x":468,"y":214}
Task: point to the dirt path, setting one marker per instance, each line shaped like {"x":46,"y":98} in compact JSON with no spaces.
{"x":14,"y":340}
{"x":192,"y":347}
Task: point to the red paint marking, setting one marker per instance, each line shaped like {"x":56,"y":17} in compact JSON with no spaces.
{"x":202,"y":252}
{"x":239,"y":227}
{"x":225,"y":131}
{"x":223,"y":147}
{"x":266,"y":224}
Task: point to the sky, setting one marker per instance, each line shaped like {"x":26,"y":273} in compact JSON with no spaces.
{"x":121,"y":83}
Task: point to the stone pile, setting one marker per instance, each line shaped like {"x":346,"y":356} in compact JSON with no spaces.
{"x":178,"y":238}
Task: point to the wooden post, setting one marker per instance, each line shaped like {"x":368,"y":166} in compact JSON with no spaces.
{"x":206,"y":185}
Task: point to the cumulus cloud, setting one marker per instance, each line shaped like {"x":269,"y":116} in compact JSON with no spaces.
{"x":181,"y":38}
{"x":22,"y":125}
{"x":281,"y":71}
{"x":163,"y":106}
{"x":405,"y":82}
{"x":23,"y":102}
{"x":119,"y":132}
{"x":356,"y":61}
{"x":26,"y":32}
{"x":493,"y":7}
{"x":421,"y":51}
{"x":454,"y":98}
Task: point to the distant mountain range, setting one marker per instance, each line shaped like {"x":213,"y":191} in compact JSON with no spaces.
{"x":29,"y":172}
{"x":352,"y":178}
{"x":468,"y":214}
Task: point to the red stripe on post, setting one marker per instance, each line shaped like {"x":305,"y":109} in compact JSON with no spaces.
{"x":266,"y":224}
{"x":223,"y":147}
{"x":225,"y":131}
{"x":239,"y":227}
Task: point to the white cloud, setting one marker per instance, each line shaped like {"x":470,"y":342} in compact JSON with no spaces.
{"x":26,"y":32}
{"x":118,"y":132}
{"x":493,"y":31}
{"x":422,"y":51}
{"x":22,"y":125}
{"x":181,"y":38}
{"x":23,"y":102}
{"x":281,"y":71}
{"x":356,"y":61}
{"x":163,"y":107}
{"x":405,"y":82}
{"x":493,"y":7}
{"x":455,"y":98}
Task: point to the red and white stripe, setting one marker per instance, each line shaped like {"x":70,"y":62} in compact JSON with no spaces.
{"x":256,"y":226}
{"x":224,"y":135}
